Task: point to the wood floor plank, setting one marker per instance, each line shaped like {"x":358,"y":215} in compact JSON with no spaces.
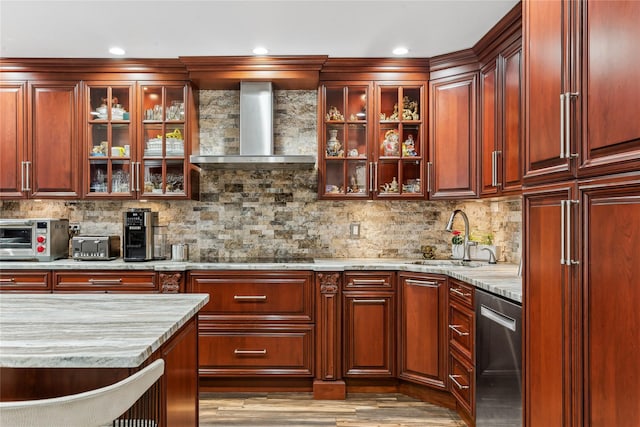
{"x":300,"y":409}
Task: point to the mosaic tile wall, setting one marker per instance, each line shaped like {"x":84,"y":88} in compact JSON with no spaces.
{"x":265,"y":214}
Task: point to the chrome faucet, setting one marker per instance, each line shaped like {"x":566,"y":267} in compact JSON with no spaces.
{"x":467,"y":243}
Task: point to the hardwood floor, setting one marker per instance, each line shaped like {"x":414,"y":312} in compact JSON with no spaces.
{"x":299,"y":409}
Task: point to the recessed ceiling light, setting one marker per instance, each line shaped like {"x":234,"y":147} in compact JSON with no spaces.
{"x":260,"y":50}
{"x":400,"y":50}
{"x":116,"y":50}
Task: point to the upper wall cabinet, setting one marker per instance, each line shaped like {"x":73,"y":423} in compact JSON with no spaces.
{"x":581,"y":89}
{"x":137,"y":149}
{"x":500,"y":121}
{"x":39,"y":154}
{"x":371,"y":138}
{"x":101,"y":129}
{"x":452,"y":144}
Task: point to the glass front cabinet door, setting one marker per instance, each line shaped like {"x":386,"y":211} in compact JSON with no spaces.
{"x":399,"y":143}
{"x":344,"y":141}
{"x":136,"y":143}
{"x":162,"y":140}
{"x":371,"y":148}
{"x":110,"y":140}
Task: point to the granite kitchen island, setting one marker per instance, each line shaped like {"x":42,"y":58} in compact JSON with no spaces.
{"x":54,"y":345}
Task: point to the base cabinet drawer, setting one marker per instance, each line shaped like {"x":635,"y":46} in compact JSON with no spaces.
{"x":461,"y":327}
{"x":25,"y":281}
{"x":255,"y":296}
{"x":461,"y":381}
{"x":105,"y":281}
{"x":256,"y":351}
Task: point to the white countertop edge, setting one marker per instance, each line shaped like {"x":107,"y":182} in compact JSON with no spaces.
{"x":130,"y":358}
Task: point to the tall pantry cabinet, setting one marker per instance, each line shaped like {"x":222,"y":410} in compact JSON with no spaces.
{"x":581,"y":210}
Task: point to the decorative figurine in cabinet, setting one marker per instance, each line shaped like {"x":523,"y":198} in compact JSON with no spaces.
{"x":371,"y":148}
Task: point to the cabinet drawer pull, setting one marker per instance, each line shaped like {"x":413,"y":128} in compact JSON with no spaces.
{"x":455,"y":329}
{"x":459,"y":292}
{"x":361,"y":282}
{"x":422,"y":283}
{"x":250,"y":297}
{"x":460,"y":386}
{"x":105,"y":281}
{"x":11,"y":280}
{"x":369,"y":301}
{"x":239,"y":352}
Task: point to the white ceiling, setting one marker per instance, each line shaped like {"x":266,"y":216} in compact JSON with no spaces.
{"x":172,"y":28}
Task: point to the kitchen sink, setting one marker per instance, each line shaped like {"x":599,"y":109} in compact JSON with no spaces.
{"x":448,"y":263}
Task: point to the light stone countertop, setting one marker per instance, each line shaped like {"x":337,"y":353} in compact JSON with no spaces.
{"x":89,"y":330}
{"x":501,"y":278}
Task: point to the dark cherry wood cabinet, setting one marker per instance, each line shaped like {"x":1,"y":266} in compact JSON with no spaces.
{"x":422,"y":329}
{"x":452,"y":167}
{"x":372,"y":117}
{"x":461,"y":343}
{"x":25,"y":281}
{"x":549,"y":298}
{"x":579,"y":306}
{"x":501,"y":165}
{"x":40,"y":139}
{"x":606,"y":249}
{"x":53,"y":140}
{"x":105,"y":281}
{"x":581,"y":89}
{"x":256,"y":323}
{"x":547,"y":51}
{"x":13,"y":139}
{"x":369,"y":324}
{"x":607,"y":127}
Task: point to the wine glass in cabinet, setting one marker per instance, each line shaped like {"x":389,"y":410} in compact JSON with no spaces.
{"x":163,"y":140}
{"x":109,"y":139}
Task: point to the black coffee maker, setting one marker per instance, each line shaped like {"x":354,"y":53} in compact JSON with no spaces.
{"x":139,"y":226}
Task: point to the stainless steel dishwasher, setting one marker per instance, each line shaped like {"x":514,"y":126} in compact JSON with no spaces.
{"x":498,"y":361}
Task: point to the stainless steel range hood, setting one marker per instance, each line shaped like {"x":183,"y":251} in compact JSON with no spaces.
{"x":256,"y":135}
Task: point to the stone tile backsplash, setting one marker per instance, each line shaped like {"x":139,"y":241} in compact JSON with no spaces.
{"x":275,"y":213}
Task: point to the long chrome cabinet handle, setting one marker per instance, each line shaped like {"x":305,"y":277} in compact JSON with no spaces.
{"x":375,"y":180}
{"x":497,"y":181}
{"x":22,"y":187}
{"x":249,"y":352}
{"x":138,"y":176}
{"x":563,"y":218}
{"x":570,"y":261}
{"x":429,"y":177}
{"x":250,"y":297}
{"x":28,"y":175}
{"x":364,"y":282}
{"x":369,"y":301}
{"x":460,"y":386}
{"x":133,"y":177}
{"x":454,"y":328}
{"x":493,"y":169}
{"x":105,"y":281}
{"x":371,"y":177}
{"x":562,"y":131}
{"x":428,"y":284}
{"x":459,"y":292}
{"x":567,"y":114}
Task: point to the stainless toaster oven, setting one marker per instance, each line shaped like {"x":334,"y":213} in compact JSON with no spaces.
{"x":34,"y":239}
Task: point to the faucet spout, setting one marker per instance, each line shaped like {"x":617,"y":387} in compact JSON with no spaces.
{"x":449,"y":228}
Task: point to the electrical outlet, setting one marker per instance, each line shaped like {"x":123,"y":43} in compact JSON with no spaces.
{"x":74,"y":228}
{"x":354,"y":230}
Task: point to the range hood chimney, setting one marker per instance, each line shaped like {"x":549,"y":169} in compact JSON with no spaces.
{"x":256,"y":135}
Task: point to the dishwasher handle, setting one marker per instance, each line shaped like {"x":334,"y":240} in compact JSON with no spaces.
{"x":498,"y":317}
